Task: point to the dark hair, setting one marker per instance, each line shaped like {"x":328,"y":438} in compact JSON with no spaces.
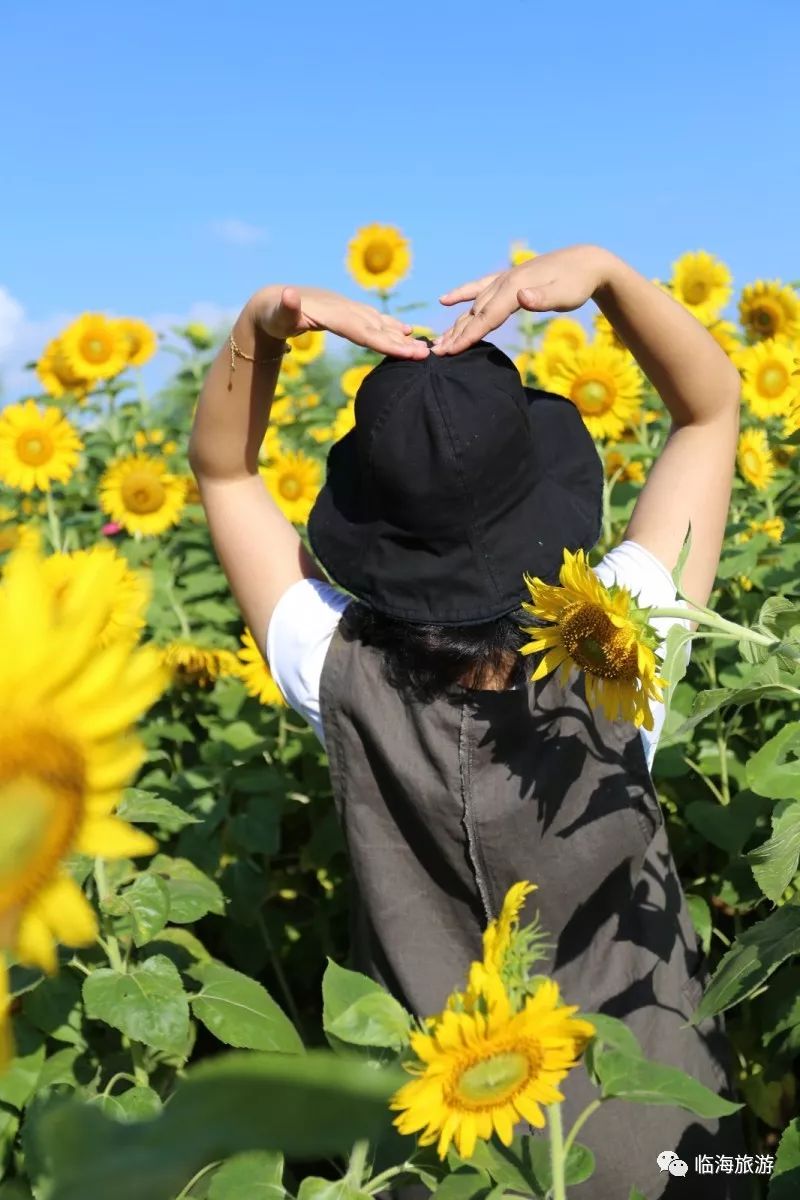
{"x":422,"y":659}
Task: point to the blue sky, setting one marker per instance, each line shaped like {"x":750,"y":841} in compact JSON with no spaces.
{"x":167,"y":159}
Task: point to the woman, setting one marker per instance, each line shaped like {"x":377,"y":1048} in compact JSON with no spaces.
{"x":454,"y":775}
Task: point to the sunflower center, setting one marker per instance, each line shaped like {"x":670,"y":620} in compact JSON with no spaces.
{"x":766,"y":319}
{"x":35,"y":448}
{"x":592,"y":396}
{"x":142,"y":492}
{"x":695,"y":291}
{"x":289,"y":487}
{"x":42,"y":785}
{"x":597,"y":645}
{"x":773,"y":380}
{"x":378,"y":257}
{"x":751,"y":462}
{"x":493,"y":1080}
{"x":95,"y":348}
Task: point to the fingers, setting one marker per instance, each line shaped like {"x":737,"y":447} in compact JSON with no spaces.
{"x":538,"y":299}
{"x":468,"y":291}
{"x":387,"y":337}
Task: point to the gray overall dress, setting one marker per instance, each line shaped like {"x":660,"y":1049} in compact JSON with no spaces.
{"x":445,"y":805}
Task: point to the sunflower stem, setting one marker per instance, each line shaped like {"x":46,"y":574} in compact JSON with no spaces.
{"x":139,"y":1069}
{"x":713,"y":621}
{"x":357,"y":1163}
{"x":55,"y":524}
{"x":557,"y":1152}
{"x":580,"y":1121}
{"x":110,"y":943}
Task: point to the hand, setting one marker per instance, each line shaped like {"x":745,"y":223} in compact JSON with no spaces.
{"x":557,"y":282}
{"x":284,"y":312}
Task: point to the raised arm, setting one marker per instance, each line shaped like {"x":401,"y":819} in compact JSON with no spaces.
{"x":259,"y":550}
{"x":692,"y":477}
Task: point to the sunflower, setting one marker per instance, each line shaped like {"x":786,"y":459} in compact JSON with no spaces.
{"x":294,"y":480}
{"x":68,"y":748}
{"x":37,"y":446}
{"x":56,"y":376}
{"x":192,"y":490}
{"x":702,"y":284}
{"x":562,"y":337}
{"x":480,"y":1072}
{"x":141,"y":494}
{"x":519,"y":253}
{"x":606,"y":333}
{"x":768,"y":387}
{"x":128,"y":600}
{"x":308,"y":400}
{"x":791,"y":422}
{"x":498,"y":933}
{"x":769,"y":309}
{"x":525,"y":362}
{"x":755,"y":461}
{"x":190,"y":664}
{"x":353,"y":378}
{"x":282,"y":411}
{"x":255,"y":673}
{"x":745,"y":583}
{"x":773,"y":527}
{"x":605,"y":386}
{"x":344,"y":420}
{"x":378,"y":256}
{"x":630,"y":471}
{"x":321,"y":433}
{"x":602,"y":632}
{"x":290,"y":370}
{"x":726,"y":336}
{"x":140,"y":340}
{"x":307,"y":346}
{"x":271,"y":444}
{"x":94,"y":347}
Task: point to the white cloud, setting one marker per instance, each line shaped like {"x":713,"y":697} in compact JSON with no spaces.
{"x":238,"y":233}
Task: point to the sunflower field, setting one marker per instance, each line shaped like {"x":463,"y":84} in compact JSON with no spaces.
{"x":176,"y":1019}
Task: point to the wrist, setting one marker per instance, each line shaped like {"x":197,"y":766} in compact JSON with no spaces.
{"x":252,"y":321}
{"x":607,"y":267}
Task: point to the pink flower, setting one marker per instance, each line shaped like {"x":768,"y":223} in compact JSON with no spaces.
{"x":110,"y":528}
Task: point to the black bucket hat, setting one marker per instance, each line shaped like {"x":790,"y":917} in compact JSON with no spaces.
{"x":455,"y":480}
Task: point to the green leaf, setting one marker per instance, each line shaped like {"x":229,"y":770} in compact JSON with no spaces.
{"x":147,"y":1003}
{"x":359,"y":1011}
{"x":240,"y":1011}
{"x":774,"y":770}
{"x":636,"y":1194}
{"x":139,"y":1103}
{"x":18,"y":1081}
{"x":785,"y":1181}
{"x":775,"y":862}
{"x":676,"y":660}
{"x":609,"y":1032}
{"x":314,"y":1187}
{"x":239,"y":735}
{"x":55,"y":1008}
{"x":254,"y":1176}
{"x":307,"y":1106}
{"x":147,"y":902}
{"x":700,"y":914}
{"x":145,"y":808}
{"x":180,"y":946}
{"x":646,"y":1082}
{"x":62,"y":1067}
{"x":677,"y":574}
{"x":524,"y":1166}
{"x":191,"y":893}
{"x":751,"y":959}
{"x":467,"y":1182}
{"x":730,"y":825}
